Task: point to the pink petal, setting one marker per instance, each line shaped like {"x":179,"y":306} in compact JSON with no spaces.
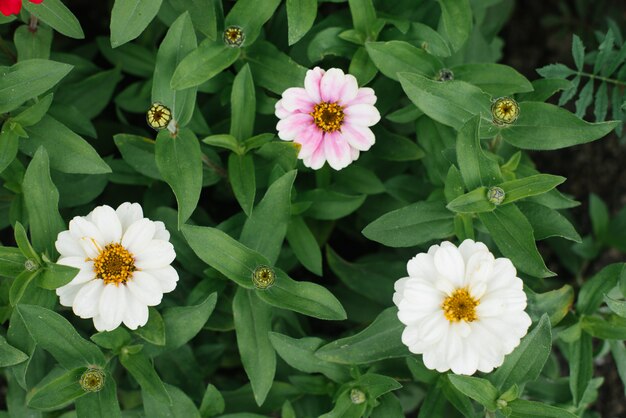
{"x":332,"y":84}
{"x":354,"y":153}
{"x":361,"y":114}
{"x":349,"y":89}
{"x":365,"y":95}
{"x":337,"y":150}
{"x":281,"y":112}
{"x":297,"y":99}
{"x":310,"y":141}
{"x":9,"y":7}
{"x":35,"y":1}
{"x":317,"y":158}
{"x":292,"y":126}
{"x":359,"y":137}
{"x":312,"y":83}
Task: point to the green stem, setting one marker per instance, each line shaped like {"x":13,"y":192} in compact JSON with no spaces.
{"x":601,"y":78}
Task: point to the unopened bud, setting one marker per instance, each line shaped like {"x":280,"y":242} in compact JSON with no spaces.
{"x":92,"y":380}
{"x":263,"y":277}
{"x":496,"y":195}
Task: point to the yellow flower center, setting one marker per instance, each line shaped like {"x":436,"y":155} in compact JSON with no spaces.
{"x":328,"y":116}
{"x":460,"y":305}
{"x":505,"y":111}
{"x":158,"y":116}
{"x":115,"y":264}
{"x":233,"y":36}
{"x":263,"y":277}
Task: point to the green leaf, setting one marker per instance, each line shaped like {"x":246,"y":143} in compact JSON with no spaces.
{"x":304,"y":297}
{"x":514,"y":236}
{"x":251,"y":15}
{"x":28,"y":79}
{"x":12,"y":261}
{"x":9,"y":144}
{"x":601,"y":102}
{"x":543,"y":126}
{"x":363,"y":17}
{"x":33,"y":114}
{"x":300,"y":18}
{"x":243,"y":180}
{"x":243,"y":105}
{"x":56,"y":275}
{"x":476,"y":167}
{"x":58,"y":337}
{"x":130,"y":18}
{"x":265,"y":229}
{"x":578,"y":52}
{"x":456,"y":19}
{"x":103,"y":404}
{"x":480,"y":390}
{"x":495,"y":79}
{"x":613,"y":328}
{"x":585,"y":97}
{"x":300,"y":354}
{"x":58,"y":392}
{"x":544,"y":89}
{"x":547,"y":222}
{"x":225,"y":254}
{"x":179,"y":160}
{"x":389,"y":407}
{"x":581,"y":366}
{"x":382,"y":339}
{"x":453,"y":186}
{"x":113,"y":340}
{"x":182,"y":323}
{"x":154,"y":330}
{"x":138,"y":152}
{"x":9,"y":355}
{"x":412,"y":225}
{"x":224,"y":141}
{"x":92,"y":94}
{"x":556,"y":303}
{"x":330,"y":205}
{"x":599,"y":214}
{"x":24,"y":245}
{"x":252,"y":325}
{"x":555,"y":71}
{"x":525,"y":363}
{"x":592,"y":292}
{"x":395,"y":57}
{"x":618,"y":350}
{"x":180,"y":406}
{"x":530,"y":409}
{"x":139,"y":366}
{"x":451,"y":103}
{"x":203,"y":63}
{"x":304,"y":245}
{"x":59,"y":17}
{"x":179,"y":41}
{"x":529,"y":186}
{"x":617,"y":306}
{"x":472,"y":202}
{"x":33,"y":44}
{"x":20,"y":284}
{"x":212,"y":402}
{"x":266,"y":61}
{"x":42,"y":200}
{"x":68,"y":152}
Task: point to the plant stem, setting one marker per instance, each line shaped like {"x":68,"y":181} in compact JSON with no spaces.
{"x":601,"y":78}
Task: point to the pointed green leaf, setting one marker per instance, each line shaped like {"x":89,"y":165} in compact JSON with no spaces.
{"x":243,"y":105}
{"x":476,"y":167}
{"x":203,"y":63}
{"x":59,"y":17}
{"x":456,"y":19}
{"x":395,"y":57}
{"x":130,"y":18}
{"x":243,"y":180}
{"x":300,"y":17}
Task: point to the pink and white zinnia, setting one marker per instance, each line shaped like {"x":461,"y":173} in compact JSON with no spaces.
{"x":124,"y":261}
{"x":330,"y":118}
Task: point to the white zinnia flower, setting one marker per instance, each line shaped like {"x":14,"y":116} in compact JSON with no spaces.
{"x":124,"y":261}
{"x":463,"y":308}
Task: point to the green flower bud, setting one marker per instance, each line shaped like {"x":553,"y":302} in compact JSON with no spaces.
{"x":357,"y":396}
{"x":445,"y":74}
{"x":31,"y":265}
{"x":263,"y":277}
{"x":234,"y":36}
{"x":92,"y":380}
{"x":495,"y":195}
{"x":504,"y":111}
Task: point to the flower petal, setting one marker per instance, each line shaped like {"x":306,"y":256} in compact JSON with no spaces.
{"x":156,"y":254}
{"x":280,"y":111}
{"x":112,"y":307}
{"x":469,"y":247}
{"x":349,"y":90}
{"x":35,"y":1}
{"x":82,"y":229}
{"x":67,"y":294}
{"x":296,"y":99}
{"x":337,"y":150}
{"x":317,"y":158}
{"x":128,"y":213}
{"x":312,"y":83}
{"x":138,"y":235}
{"x":10,"y":7}
{"x":166,"y":276}
{"x":160,"y":232}
{"x":449,"y":263}
{"x":362,"y":114}
{"x":365,"y":95}
{"x":106,"y":220}
{"x":136,"y":314}
{"x":309,"y":141}
{"x":293,"y":126}
{"x":359,"y":137}
{"x":67,"y":245}
{"x":87,"y":300}
{"x":332,"y":85}
{"x":145,"y":288}
{"x":86,"y":272}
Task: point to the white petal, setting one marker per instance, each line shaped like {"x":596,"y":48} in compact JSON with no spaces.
{"x":332,"y":84}
{"x":81,"y":228}
{"x":160,"y":232}
{"x":155,"y":255}
{"x":86,"y":272}
{"x":128,"y":213}
{"x":145,"y":288}
{"x":138,"y":235}
{"x":99,"y":323}
{"x":67,"y":245}
{"x":423,"y":266}
{"x":67,"y":294}
{"x":136,"y":313}
{"x":349,"y":90}
{"x":399,"y":290}
{"x":87,"y":301}
{"x":112,"y":306}
{"x":105,"y":218}
{"x":450,"y":264}
{"x":469,"y":247}
{"x":479,"y":267}
{"x":166,"y":276}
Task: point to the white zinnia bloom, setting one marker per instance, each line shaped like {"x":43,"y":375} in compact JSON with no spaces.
{"x":463,"y":308}
{"x":124,"y":261}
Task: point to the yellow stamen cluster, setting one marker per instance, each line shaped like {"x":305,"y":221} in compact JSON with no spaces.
{"x":504,"y":111}
{"x":158,"y":116}
{"x":263,"y":277}
{"x":233,"y":36}
{"x":328,"y":116}
{"x":114,"y":264}
{"x":460,"y":306}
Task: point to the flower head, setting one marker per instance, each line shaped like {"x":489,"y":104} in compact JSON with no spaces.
{"x":234,"y":36}
{"x":10,"y":7}
{"x":504,"y":111}
{"x":124,"y":261}
{"x":463,"y":308}
{"x":263,"y":277}
{"x":92,"y":380}
{"x":329,"y":118}
{"x":160,"y":117}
